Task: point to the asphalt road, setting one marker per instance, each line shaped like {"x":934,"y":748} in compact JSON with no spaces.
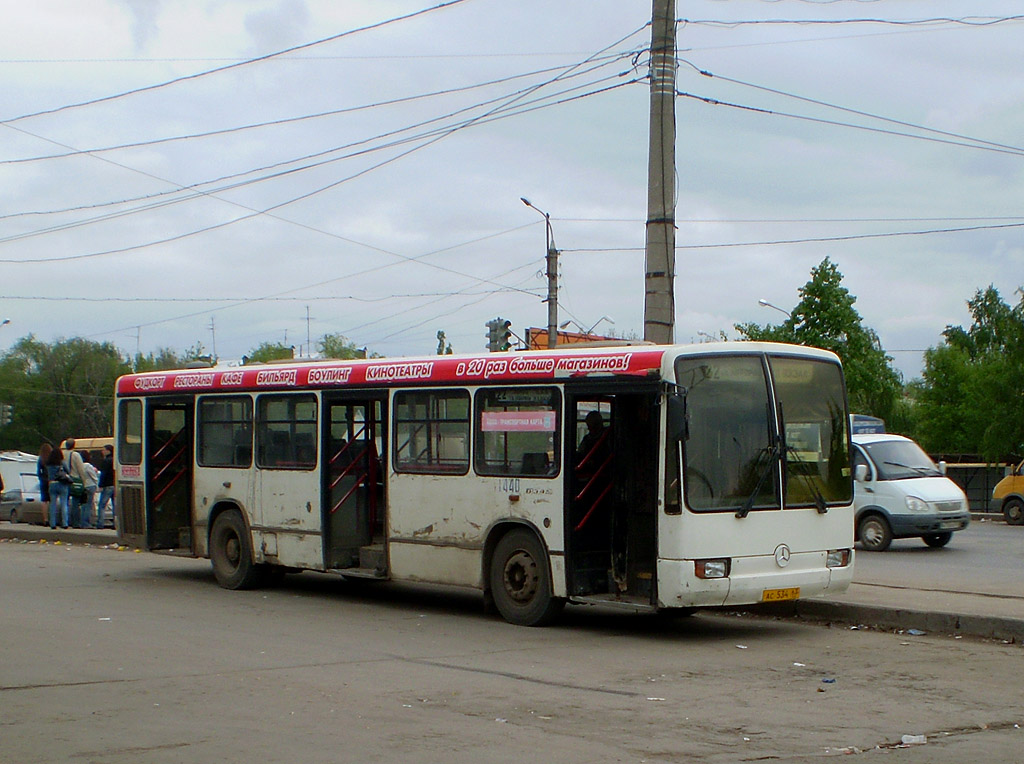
{"x":114,"y":657}
{"x":986,"y":557}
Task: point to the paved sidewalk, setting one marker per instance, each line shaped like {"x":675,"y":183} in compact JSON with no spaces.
{"x":968,"y":613}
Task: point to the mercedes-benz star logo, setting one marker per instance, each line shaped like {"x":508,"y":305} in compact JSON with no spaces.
{"x":782,"y":555}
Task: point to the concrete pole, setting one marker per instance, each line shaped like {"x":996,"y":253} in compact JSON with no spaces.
{"x":659,"y":297}
{"x":551,"y":259}
{"x":552,"y":268}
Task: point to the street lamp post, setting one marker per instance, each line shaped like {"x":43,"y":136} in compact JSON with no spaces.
{"x":765,"y":304}
{"x":552,"y":273}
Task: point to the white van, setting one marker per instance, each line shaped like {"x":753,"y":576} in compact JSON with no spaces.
{"x":901,"y":493}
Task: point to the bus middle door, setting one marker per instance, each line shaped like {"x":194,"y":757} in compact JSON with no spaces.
{"x":353,"y":500}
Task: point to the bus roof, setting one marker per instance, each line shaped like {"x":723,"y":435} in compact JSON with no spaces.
{"x":481,"y":369}
{"x":487,"y":368}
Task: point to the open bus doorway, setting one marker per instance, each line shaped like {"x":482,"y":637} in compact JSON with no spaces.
{"x":353,"y":491}
{"x":169,"y":462}
{"x":611,"y":503}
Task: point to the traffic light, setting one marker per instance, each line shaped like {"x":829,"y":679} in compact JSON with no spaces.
{"x":504,"y":334}
{"x":6,"y":413}
{"x":498,"y":335}
{"x":492,"y":335}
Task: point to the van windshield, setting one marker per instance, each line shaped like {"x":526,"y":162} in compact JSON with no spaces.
{"x":900,"y":460}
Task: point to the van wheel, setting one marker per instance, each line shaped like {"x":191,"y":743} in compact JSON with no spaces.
{"x":231,"y":552}
{"x":1013,"y":511}
{"x":874,"y":533}
{"x":520,"y":581}
{"x":936,"y":540}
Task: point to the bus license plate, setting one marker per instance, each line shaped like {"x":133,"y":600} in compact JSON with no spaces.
{"x":779,"y":595}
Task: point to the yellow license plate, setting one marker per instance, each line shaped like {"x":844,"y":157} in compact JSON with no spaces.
{"x":779,"y":595}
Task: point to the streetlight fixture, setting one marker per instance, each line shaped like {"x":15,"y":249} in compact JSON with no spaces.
{"x":765,"y":304}
{"x":5,"y":322}
{"x":552,"y":273}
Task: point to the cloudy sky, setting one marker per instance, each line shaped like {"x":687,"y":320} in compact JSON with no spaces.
{"x":230,"y":172}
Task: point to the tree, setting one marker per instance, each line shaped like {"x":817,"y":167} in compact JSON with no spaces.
{"x":165,"y":358}
{"x":442,"y":348}
{"x":825,"y":318}
{"x":266,"y":352}
{"x":339,"y":347}
{"x":972,"y":396}
{"x":61,"y":390}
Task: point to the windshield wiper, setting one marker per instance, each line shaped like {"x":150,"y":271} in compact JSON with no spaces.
{"x":774,"y":455}
{"x":924,"y":471}
{"x":819,"y":500}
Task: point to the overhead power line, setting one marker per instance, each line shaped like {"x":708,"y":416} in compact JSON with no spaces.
{"x":425,"y":139}
{"x":266,"y":57}
{"x":835,"y":123}
{"x":815,"y":239}
{"x":858,"y":112}
{"x":284,"y":121}
{"x":974,"y":21}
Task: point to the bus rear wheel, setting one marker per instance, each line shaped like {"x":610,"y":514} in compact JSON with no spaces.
{"x":520,"y":581}
{"x":231,"y":552}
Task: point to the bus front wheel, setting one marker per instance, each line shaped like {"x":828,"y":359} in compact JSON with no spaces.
{"x":231,"y":552}
{"x":520,"y":581}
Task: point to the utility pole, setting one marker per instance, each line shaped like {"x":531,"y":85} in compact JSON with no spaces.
{"x":309,"y":347}
{"x":551,"y":260}
{"x":660,"y":254}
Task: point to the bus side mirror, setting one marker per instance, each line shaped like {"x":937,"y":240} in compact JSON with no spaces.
{"x":676,"y":417}
{"x":861,"y":473}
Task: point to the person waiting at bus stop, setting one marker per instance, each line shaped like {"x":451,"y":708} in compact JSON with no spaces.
{"x":106,"y":484}
{"x":59,"y":481}
{"x":75,"y":467}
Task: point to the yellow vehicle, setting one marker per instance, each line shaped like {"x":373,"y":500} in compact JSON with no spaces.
{"x":1009,"y":495}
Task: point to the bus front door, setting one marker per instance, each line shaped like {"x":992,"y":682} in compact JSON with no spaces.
{"x":169,"y":474}
{"x":353,"y":506}
{"x":612,"y":500}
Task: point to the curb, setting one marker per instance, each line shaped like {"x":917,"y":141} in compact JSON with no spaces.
{"x":67,"y":536}
{"x":899,"y":619}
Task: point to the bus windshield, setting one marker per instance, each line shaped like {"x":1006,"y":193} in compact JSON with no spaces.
{"x":732,"y":445}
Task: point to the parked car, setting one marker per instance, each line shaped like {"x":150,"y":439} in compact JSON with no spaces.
{"x":899,"y":492}
{"x":1008,"y":495}
{"x":22,"y":504}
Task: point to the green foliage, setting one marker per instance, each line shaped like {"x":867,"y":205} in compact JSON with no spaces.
{"x":59,"y":390}
{"x":825,"y":318}
{"x":338,"y":346}
{"x":972,"y":396}
{"x":165,"y":358}
{"x":266,"y":352}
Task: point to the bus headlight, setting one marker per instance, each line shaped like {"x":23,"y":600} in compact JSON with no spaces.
{"x":837,"y":558}
{"x":712,"y":568}
{"x":915,"y":504}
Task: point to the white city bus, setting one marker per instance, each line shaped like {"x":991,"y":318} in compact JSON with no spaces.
{"x":650,"y":477}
